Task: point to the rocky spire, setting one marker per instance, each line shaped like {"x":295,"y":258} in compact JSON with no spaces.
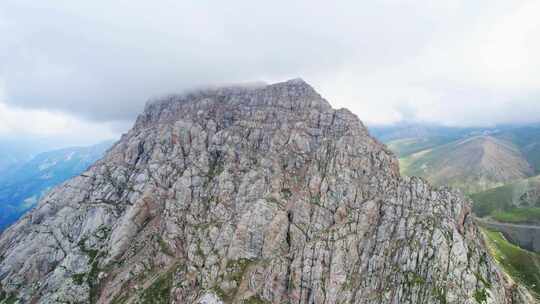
{"x":249,"y":194}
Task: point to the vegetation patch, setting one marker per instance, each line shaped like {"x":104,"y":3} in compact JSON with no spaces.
{"x":503,"y":199}
{"x":440,"y":294}
{"x":120,"y":299}
{"x":286,"y":193}
{"x":7,"y":297}
{"x":414,"y":279}
{"x":91,"y":278}
{"x":236,"y":269}
{"x":518,"y":215}
{"x":254,"y":300}
{"x":316,"y":200}
{"x":479,"y":276}
{"x":489,"y":201}
{"x":215,"y":168}
{"x":164,"y":246}
{"x":523,"y":266}
{"x":102,"y":233}
{"x":480,"y":296}
{"x":159,"y":291}
{"x":79,"y":278}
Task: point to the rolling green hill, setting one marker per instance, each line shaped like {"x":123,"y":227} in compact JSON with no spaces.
{"x":503,"y":201}
{"x":523,"y":266}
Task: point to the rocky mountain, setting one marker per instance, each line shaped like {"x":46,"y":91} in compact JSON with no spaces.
{"x":23,"y":184}
{"x":249,"y":195}
{"x":473,"y":164}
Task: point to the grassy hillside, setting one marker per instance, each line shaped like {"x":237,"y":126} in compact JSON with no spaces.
{"x":528,"y":140}
{"x":523,"y":266}
{"x":518,"y":215}
{"x":473,"y":164}
{"x":407,"y":146}
{"x":504,"y":199}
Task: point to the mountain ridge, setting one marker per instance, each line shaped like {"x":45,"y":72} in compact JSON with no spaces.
{"x":263,"y":196}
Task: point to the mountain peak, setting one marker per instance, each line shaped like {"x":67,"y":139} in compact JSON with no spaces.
{"x":260,"y":194}
{"x":299,"y":86}
{"x":294,"y":94}
{"x":296,"y":82}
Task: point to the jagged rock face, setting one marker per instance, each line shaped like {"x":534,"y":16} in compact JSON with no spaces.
{"x":253,"y":195}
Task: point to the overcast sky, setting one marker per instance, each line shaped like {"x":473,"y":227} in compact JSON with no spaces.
{"x":84,"y":69}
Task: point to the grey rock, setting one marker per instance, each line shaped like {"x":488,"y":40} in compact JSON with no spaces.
{"x":261,"y":195}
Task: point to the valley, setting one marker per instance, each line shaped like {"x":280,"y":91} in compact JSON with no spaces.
{"x":25,"y":182}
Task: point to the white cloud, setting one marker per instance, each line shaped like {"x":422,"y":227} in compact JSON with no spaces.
{"x":44,"y":124}
{"x":453,"y":62}
{"x":485,"y":71}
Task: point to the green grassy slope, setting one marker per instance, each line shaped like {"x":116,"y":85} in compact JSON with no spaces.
{"x":518,"y":215}
{"x":523,"y":266}
{"x":504,"y":199}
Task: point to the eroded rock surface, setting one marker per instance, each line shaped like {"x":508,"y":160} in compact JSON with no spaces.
{"x":249,"y":195}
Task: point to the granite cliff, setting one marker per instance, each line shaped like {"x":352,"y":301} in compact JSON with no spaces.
{"x":249,"y":195}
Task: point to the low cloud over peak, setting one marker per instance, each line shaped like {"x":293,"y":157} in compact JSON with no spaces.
{"x":459,"y":62}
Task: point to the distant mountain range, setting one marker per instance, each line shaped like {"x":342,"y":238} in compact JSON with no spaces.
{"x":13,"y":153}
{"x":471,"y":159}
{"x":25,"y":179}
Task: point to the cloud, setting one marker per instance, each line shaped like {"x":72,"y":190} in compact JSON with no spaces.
{"x":40,"y":124}
{"x":456,"y":62}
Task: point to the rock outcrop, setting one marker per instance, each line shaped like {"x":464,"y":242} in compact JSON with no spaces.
{"x":249,"y":195}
